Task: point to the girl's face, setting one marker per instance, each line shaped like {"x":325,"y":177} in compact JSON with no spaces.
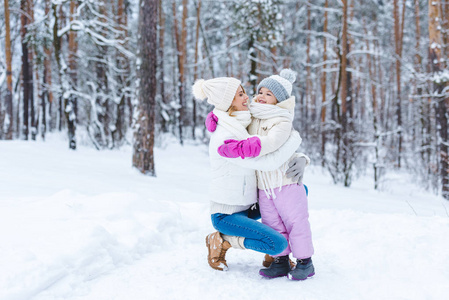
{"x":240,"y":101}
{"x":266,"y":97}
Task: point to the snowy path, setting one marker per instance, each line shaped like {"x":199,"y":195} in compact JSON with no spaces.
{"x":84,"y":225}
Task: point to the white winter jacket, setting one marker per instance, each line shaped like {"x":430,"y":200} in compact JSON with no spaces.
{"x":233,"y":180}
{"x":274,"y":125}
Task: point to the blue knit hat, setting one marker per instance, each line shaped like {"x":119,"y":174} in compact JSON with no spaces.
{"x":280,"y":85}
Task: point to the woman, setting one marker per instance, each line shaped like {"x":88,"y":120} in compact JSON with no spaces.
{"x":234,"y":184}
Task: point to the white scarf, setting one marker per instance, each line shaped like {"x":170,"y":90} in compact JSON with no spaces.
{"x":235,"y":125}
{"x":268,"y":111}
{"x":244,"y":117}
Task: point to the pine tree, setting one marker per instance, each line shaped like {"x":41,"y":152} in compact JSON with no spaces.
{"x":262,"y":27}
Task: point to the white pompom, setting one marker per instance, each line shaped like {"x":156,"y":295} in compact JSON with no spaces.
{"x":288,"y":74}
{"x":197,"y":90}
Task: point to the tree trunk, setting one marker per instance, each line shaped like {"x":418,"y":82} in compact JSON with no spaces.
{"x":307,"y":108}
{"x":345,"y":95}
{"x":9,"y":119}
{"x":33,"y":118}
{"x":195,"y":70}
{"x":208,"y":52}
{"x":418,"y":58}
{"x":372,"y":67}
{"x":47,"y":94}
{"x":103,"y":132}
{"x":253,"y":68}
{"x":181,"y":49}
{"x":182,"y":72}
{"x":229,"y":69}
{"x":73,"y":47}
{"x":64,"y":100}
{"x":323,"y":87}
{"x":123,"y":64}
{"x":26,"y":75}
{"x":435,"y":45}
{"x":352,"y":92}
{"x":291,"y":44}
{"x":60,"y":21}
{"x":70,"y":105}
{"x":143,"y":158}
{"x":444,"y":23}
{"x":398,"y":33}
{"x":344,"y":80}
{"x":423,"y":111}
{"x":164,"y":122}
{"x":344,"y":52}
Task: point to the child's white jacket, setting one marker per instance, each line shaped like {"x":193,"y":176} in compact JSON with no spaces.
{"x":274,"y":132}
{"x":233,"y":180}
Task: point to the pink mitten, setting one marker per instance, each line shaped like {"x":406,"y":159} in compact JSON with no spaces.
{"x":211,"y":122}
{"x":244,"y":148}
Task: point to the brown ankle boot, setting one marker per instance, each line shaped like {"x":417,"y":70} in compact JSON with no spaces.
{"x":217,"y":248}
{"x":269,"y":259}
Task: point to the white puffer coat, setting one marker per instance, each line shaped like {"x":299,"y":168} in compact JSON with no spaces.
{"x":233,"y":180}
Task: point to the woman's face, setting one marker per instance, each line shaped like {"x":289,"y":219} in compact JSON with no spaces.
{"x":240,"y":101}
{"x":266,"y":96}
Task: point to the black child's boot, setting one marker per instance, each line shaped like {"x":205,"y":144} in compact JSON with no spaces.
{"x":280,"y":267}
{"x":304,"y":269}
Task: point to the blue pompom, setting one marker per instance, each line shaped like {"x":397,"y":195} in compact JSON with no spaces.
{"x":288,"y":74}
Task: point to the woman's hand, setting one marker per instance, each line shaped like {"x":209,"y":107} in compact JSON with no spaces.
{"x":296,"y":169}
{"x":245,"y":148}
{"x":211,"y":122}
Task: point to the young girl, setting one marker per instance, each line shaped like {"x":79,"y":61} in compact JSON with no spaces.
{"x":283,"y":202}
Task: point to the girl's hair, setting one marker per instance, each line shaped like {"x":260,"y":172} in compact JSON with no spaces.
{"x":232,"y":109}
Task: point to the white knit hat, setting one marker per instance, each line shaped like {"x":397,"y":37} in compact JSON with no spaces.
{"x":219,"y":91}
{"x":280,"y":85}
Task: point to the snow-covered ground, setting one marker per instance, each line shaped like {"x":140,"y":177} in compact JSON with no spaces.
{"x":85,"y":225}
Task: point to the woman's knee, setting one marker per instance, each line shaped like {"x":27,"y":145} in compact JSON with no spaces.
{"x":280,"y":243}
{"x":216,"y":220}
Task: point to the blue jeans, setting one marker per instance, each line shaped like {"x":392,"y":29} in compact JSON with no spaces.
{"x":258,"y":237}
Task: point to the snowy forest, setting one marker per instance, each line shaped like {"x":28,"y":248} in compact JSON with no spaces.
{"x":372,"y":88}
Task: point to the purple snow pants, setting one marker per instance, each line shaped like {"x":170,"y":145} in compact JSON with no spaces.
{"x":288,"y":214}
